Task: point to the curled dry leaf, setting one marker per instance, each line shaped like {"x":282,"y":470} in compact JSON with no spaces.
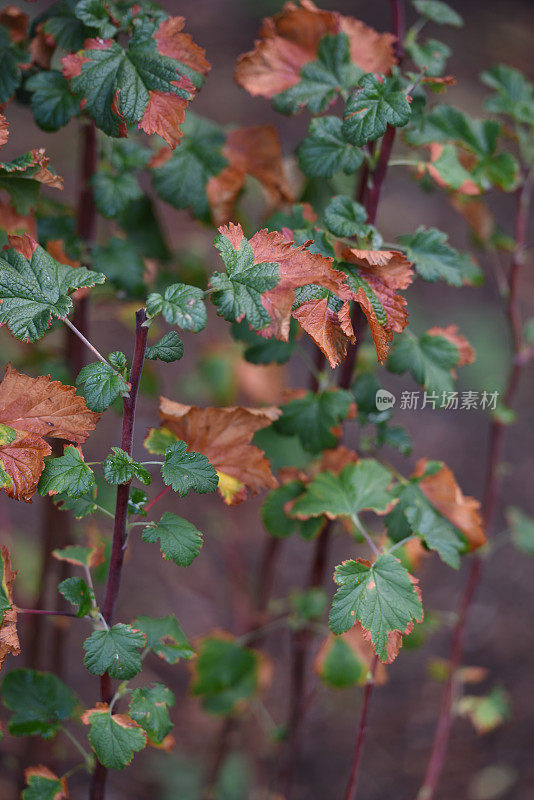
{"x":224,"y":436}
{"x":42,"y":47}
{"x":331,"y":330}
{"x":61,"y":793}
{"x":9,"y":641}
{"x":291,"y":39}
{"x":466,"y":354}
{"x":443,"y":492}
{"x":254,"y":151}
{"x":385,"y":272}
{"x":30,"y":409}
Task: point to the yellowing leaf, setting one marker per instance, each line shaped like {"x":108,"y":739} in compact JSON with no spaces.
{"x":224,"y":436}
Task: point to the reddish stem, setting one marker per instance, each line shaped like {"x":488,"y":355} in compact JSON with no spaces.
{"x":350,"y":791}
{"x":161,"y":494}
{"x":491,"y":496}
{"x":98,"y":782}
{"x":47,"y":613}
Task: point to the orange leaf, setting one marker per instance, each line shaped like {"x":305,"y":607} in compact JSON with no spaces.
{"x":31,"y":408}
{"x":386,"y":271}
{"x":180,"y":46}
{"x":16,"y":21}
{"x":291,"y":39}
{"x":9,"y":641}
{"x":4,"y":130}
{"x":12,"y":222}
{"x":330,"y":330}
{"x":224,"y":436}
{"x":164,"y":113}
{"x":443,"y":492}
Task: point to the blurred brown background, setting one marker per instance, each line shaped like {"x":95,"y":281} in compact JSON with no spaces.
{"x":214,"y":591}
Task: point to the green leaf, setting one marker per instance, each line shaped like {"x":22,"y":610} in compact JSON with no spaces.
{"x":143,"y":229}
{"x":372,"y":107}
{"x":259,"y":350}
{"x":75,"y":554}
{"x":439,"y":12}
{"x":100,"y":385}
{"x":225,"y":674}
{"x":67,"y":473}
{"x":322,"y":80}
{"x":344,"y":217}
{"x":238,"y":292}
{"x":94,"y":14}
{"x":80,"y":507}
{"x":427,"y":248}
{"x":61,"y":22}
{"x":341,"y":667}
{"x":324,"y":151}
{"x":514,"y":94}
{"x":113,"y":739}
{"x":121,"y":263}
{"x":113,"y":77}
{"x":181,"y":305}
{"x":136,"y":502}
{"x":359,"y":486}
{"x":309,"y":605}
{"x":39,"y":700}
{"x":312,"y":418}
{"x":184,"y":471}
{"x":159,"y":440}
{"x":113,"y":192}
{"x":165,"y":638}
{"x":381,"y":596}
{"x":11,"y":56}
{"x":119,"y":467}
{"x":34,"y":291}
{"x":169,"y":348}
{"x":429,"y":359}
{"x":22,"y":180}
{"x":181,"y":181}
{"x":522,"y":529}
{"x":77,"y":592}
{"x":5,"y":603}
{"x":53,"y":103}
{"x":43,"y":787}
{"x":430,"y":56}
{"x":149,"y":707}
{"x":273,"y":512}
{"x":179,"y":540}
{"x":436,"y":532}
{"x":115,"y":651}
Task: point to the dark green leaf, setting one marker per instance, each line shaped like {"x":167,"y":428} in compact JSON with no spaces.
{"x":77,"y":592}
{"x":81,"y":506}
{"x":430,"y":55}
{"x":179,"y":540}
{"x":184,"y":471}
{"x":53,"y":103}
{"x":372,"y":107}
{"x":273,"y":512}
{"x":341,"y":667}
{"x":42,"y":787}
{"x":119,"y":467}
{"x":121,"y":263}
{"x":165,"y":638}
{"x":101,"y":385}
{"x":428,"y":358}
{"x":11,"y":56}
{"x":225,"y":674}
{"x":34,"y":291}
{"x":312,"y":418}
{"x":115,"y":650}
{"x":113,"y":738}
{"x":113,"y":191}
{"x":382,"y":596}
{"x":149,"y":707}
{"x":324,"y":151}
{"x":94,"y":14}
{"x":39,"y":700}
{"x":169,"y":348}
{"x":514,"y":94}
{"x":433,"y":258}
{"x":522,"y":529}
{"x":67,"y":473}
{"x":181,"y":305}
{"x":259,"y":350}
{"x":344,"y":217}
{"x":238,"y":292}
{"x":322,"y":80}
{"x":438,"y":12}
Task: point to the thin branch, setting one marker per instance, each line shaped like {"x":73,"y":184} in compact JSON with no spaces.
{"x":366,"y":536}
{"x":86,"y":342}
{"x":491,"y":492}
{"x":47,"y":613}
{"x":98,"y":781}
{"x":350,"y":792}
